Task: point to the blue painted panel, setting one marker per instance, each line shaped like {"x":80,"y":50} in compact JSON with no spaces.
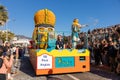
{"x":63,"y":62}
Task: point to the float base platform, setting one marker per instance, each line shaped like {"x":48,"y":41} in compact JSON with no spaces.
{"x":57,"y":62}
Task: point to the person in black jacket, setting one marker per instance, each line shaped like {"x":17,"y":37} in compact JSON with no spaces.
{"x":112,"y":54}
{"x":60,"y":43}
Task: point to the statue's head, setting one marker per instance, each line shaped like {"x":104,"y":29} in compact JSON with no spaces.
{"x":75,"y":22}
{"x":44,"y":23}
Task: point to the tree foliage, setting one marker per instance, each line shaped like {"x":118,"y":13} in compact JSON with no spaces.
{"x":4,"y":35}
{"x":3,"y":15}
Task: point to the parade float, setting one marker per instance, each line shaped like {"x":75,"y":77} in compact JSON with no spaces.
{"x":44,"y":58}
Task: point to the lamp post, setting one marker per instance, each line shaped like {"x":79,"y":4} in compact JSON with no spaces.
{"x":6,"y":31}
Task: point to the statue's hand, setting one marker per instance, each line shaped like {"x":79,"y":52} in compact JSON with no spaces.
{"x":85,"y":25}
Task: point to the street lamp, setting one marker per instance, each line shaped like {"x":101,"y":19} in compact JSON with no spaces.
{"x":6,"y":31}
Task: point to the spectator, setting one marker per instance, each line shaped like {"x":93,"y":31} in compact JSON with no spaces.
{"x":7,"y":53}
{"x":68,"y":45}
{"x":15,"y":52}
{"x":112,"y":55}
{"x":118,"y":63}
{"x":6,"y":64}
{"x":97,"y":53}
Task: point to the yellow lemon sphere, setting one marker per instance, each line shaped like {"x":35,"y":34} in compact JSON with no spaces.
{"x":45,"y":17}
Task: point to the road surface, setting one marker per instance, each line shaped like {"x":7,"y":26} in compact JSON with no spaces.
{"x":26,"y":72}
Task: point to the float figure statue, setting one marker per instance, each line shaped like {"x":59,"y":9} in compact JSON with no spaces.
{"x":75,"y":32}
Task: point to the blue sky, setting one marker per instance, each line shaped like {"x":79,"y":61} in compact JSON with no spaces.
{"x":96,"y":13}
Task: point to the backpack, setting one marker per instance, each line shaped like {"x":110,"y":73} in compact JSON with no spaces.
{"x":1,"y":62}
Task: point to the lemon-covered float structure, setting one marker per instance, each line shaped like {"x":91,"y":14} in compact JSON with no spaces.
{"x":44,"y":58}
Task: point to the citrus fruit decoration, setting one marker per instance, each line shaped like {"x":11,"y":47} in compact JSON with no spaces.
{"x":44,"y":17}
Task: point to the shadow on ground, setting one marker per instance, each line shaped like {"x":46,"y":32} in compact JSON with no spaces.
{"x":26,"y":67}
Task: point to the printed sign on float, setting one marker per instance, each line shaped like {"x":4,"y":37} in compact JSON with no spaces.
{"x":61,"y":62}
{"x":44,"y":61}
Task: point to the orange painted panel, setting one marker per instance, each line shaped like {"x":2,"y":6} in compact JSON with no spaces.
{"x":81,"y":64}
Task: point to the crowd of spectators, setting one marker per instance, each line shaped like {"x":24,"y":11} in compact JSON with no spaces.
{"x":10,"y":56}
{"x":104,"y":46}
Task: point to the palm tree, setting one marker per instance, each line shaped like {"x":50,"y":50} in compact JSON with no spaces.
{"x":3,"y":15}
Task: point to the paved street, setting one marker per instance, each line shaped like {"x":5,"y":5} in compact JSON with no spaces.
{"x":26,"y":72}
